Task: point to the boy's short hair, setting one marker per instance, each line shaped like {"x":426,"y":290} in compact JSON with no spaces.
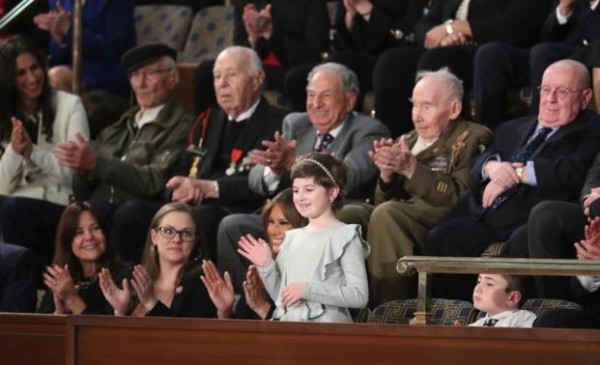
{"x":516,"y":283}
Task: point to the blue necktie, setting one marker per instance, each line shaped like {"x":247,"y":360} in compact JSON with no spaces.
{"x":325,"y":141}
{"x":523,"y":154}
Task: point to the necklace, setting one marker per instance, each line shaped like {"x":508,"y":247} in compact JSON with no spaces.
{"x":84,"y":284}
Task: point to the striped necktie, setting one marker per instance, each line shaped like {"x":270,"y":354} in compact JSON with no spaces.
{"x":324,"y":142}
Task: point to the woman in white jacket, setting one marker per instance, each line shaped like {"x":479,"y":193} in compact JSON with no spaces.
{"x":33,"y":119}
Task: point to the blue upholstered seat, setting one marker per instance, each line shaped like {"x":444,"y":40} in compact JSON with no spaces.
{"x":443,"y":311}
{"x":168,"y":24}
{"x":211,"y":31}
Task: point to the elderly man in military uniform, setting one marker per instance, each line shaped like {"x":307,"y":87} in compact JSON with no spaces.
{"x":421,"y":175}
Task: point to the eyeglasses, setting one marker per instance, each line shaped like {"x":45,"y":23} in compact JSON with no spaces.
{"x":562,"y":93}
{"x":170,"y":232}
{"x":151,"y":75}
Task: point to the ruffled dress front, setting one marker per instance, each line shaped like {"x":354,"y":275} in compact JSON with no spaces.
{"x":331,"y":264}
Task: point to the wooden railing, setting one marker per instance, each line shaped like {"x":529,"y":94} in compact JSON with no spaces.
{"x":90,"y":340}
{"x":426,"y":265}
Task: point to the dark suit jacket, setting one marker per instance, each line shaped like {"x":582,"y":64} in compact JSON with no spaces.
{"x":300,"y":30}
{"x":512,"y":21}
{"x":233,"y":190}
{"x":583,"y":24}
{"x":18,"y":278}
{"x":560,"y":164}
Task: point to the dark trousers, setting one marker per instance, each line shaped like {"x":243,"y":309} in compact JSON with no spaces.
{"x":466,"y":232}
{"x":459,"y":59}
{"x":567,"y":318}
{"x":393,"y":81}
{"x":231,"y":229}
{"x":541,"y":56}
{"x":499,"y":67}
{"x":553,"y":228}
{"x":130,"y":228}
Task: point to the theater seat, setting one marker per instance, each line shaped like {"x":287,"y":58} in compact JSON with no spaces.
{"x":443,"y":312}
{"x":168,"y":24}
{"x":211,"y":31}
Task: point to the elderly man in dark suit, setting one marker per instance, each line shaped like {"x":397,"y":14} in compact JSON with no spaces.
{"x":532,"y":159}
{"x":329,"y":126}
{"x":213,"y":173}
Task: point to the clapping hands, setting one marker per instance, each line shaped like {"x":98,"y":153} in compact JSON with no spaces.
{"x":255,"y":250}
{"x":19,"y":138}
{"x":589,"y":247}
{"x":119,"y":299}
{"x":220,"y":289}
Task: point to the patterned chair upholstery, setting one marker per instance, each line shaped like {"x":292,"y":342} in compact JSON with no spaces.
{"x":211,"y":31}
{"x":443,"y":312}
{"x":538,"y":305}
{"x":168,"y":24}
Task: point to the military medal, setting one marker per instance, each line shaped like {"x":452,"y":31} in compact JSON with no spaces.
{"x":198,"y":151}
{"x":235,"y":156}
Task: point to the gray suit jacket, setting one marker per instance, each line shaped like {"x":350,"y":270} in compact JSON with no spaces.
{"x":351,"y":145}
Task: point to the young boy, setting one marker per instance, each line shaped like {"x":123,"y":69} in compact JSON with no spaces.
{"x":500,"y":296}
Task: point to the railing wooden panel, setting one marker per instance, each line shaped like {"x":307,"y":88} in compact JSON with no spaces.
{"x":32,"y":339}
{"x":191,"y":341}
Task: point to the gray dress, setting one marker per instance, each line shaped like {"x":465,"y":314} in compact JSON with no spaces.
{"x":331,"y":264}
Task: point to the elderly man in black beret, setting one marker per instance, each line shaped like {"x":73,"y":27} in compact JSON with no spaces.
{"x":213,"y":173}
{"x":129,"y":160}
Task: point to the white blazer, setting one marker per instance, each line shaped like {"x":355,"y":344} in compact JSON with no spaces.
{"x":41,"y":176}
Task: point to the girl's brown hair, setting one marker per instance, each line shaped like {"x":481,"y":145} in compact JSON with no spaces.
{"x":326,"y":170}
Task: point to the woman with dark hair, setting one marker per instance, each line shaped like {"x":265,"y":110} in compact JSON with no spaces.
{"x":279,"y":215}
{"x":81,"y":250}
{"x":33,"y":119}
{"x":168,"y":281}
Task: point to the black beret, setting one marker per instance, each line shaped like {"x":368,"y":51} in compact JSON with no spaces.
{"x":141,"y":56}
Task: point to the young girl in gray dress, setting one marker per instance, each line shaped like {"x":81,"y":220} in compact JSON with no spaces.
{"x":320,"y":270}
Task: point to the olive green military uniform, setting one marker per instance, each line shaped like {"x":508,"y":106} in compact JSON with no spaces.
{"x":407,"y":208}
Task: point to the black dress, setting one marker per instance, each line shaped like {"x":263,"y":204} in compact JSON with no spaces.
{"x":91,"y":294}
{"x":191,"y":299}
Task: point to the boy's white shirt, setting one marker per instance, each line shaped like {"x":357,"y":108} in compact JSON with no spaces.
{"x":589,"y":283}
{"x":513,"y":318}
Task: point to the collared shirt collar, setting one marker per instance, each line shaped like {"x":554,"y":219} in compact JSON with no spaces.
{"x":247,"y":113}
{"x":148,"y":116}
{"x":335,"y":131}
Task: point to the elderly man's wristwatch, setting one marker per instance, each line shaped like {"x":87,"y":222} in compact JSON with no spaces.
{"x":448,"y":26}
{"x":519,"y":171}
